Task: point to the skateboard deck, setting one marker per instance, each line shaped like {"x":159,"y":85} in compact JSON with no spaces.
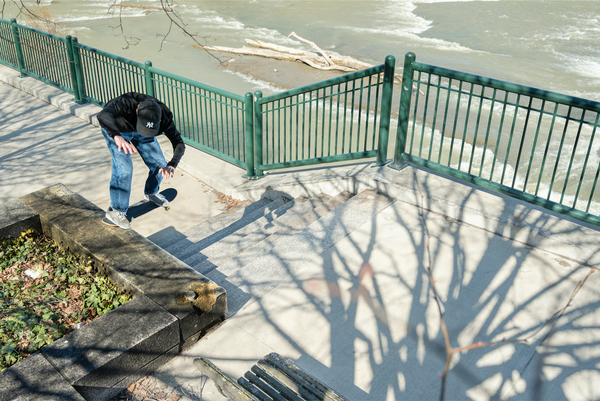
{"x":142,"y":207}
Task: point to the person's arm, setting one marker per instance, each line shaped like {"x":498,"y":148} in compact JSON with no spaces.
{"x":168,"y":127}
{"x":107,"y":119}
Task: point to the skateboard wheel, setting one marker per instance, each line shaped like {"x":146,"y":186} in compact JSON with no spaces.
{"x":167,"y":208}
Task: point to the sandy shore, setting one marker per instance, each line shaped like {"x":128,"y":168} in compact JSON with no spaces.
{"x":283,"y":74}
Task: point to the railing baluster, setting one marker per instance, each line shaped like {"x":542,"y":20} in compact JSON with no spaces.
{"x":572,"y":158}
{"x":510,"y":137}
{"x":533,"y":146}
{"x":587,"y":156}
{"x":448,"y":92}
{"x":481,"y":99}
{"x":460,"y":89}
{"x":435,"y":111}
{"x":550,"y":131}
{"x":487,"y":132}
{"x":562,"y":141}
{"x":523,"y":135}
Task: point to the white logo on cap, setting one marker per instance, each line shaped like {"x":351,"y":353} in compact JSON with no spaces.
{"x":149,"y":124}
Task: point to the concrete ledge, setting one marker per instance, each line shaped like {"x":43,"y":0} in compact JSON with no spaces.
{"x":103,"y":353}
{"x":500,"y":214}
{"x":34,"y":378}
{"x":105,"y":356}
{"x":128,"y":258}
{"x":16,"y":217}
{"x":311,"y":181}
{"x":50,"y":94}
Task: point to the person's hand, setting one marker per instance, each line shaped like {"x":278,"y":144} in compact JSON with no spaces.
{"x":123,"y":144}
{"x":167,"y":172}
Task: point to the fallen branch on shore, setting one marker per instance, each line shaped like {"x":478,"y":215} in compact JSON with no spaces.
{"x":319,"y":60}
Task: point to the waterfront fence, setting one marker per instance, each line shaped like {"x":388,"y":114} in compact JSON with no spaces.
{"x":41,"y":55}
{"x":531,"y":144}
{"x":535,"y":145}
{"x":208,"y":118}
{"x":330,"y":121}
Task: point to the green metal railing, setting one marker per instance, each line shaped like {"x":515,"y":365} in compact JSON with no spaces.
{"x":531,"y":144}
{"x":41,"y":55}
{"x":535,"y":145}
{"x":208,"y":118}
{"x":103,"y":76}
{"x":213,"y":120}
{"x":330,"y":121}
{"x":8,"y":45}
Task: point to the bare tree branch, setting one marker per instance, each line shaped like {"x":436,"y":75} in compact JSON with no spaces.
{"x":176,"y":20}
{"x":167,"y":6}
{"x":129,"y":40}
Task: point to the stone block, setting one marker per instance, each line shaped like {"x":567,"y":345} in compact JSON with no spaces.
{"x":131,"y":260}
{"x":34,"y":378}
{"x":147,"y":370}
{"x":16,"y":217}
{"x":114,"y":346}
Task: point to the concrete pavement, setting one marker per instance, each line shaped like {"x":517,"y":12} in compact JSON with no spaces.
{"x":363,"y":316}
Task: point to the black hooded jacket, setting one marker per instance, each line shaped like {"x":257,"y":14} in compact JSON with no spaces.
{"x":119,"y":116}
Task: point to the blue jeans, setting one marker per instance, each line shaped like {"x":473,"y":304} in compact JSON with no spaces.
{"x":122,"y":167}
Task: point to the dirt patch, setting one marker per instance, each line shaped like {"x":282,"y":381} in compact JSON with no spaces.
{"x":228,"y":201}
{"x":149,"y":388}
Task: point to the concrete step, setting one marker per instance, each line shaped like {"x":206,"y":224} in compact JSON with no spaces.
{"x":260,"y":268}
{"x":195,"y":240}
{"x":295,"y":219}
{"x":253,"y":232}
{"x":168,"y":240}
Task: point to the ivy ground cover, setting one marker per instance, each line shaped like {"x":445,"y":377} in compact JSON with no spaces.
{"x":45,"y":293}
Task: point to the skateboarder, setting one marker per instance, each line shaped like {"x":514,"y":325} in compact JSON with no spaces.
{"x":130,"y":124}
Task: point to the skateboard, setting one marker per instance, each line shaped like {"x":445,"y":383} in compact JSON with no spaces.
{"x":145,"y":206}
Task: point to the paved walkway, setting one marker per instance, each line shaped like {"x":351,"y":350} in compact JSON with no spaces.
{"x":363,"y":317}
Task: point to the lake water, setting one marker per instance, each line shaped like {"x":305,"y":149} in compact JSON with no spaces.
{"x":551,"y":45}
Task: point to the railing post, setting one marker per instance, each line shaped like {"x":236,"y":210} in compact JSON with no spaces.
{"x":79,"y":71}
{"x":17,"y":39}
{"x":249,"y":135}
{"x":149,"y":79}
{"x":258,"y":148}
{"x":403,"y":114}
{"x":72,"y":69}
{"x":386,"y":109}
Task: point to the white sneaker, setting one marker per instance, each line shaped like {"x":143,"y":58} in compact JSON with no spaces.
{"x":158,"y":199}
{"x":118,"y":218}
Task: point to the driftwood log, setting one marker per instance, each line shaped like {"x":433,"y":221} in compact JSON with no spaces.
{"x":319,"y":59}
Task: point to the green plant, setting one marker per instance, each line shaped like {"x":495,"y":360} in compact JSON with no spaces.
{"x":45,"y":291}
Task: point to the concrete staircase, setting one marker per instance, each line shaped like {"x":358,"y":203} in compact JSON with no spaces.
{"x":250,"y":250}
